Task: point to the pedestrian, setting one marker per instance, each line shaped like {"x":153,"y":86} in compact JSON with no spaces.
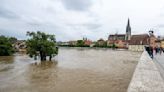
{"x":147,"y":49}
{"x":160,"y":50}
{"x":156,"y":50}
{"x":151,"y":52}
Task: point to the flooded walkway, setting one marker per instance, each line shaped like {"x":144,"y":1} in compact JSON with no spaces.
{"x":73,"y":70}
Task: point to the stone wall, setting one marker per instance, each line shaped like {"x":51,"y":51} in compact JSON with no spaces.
{"x":136,"y":47}
{"x":146,"y":77}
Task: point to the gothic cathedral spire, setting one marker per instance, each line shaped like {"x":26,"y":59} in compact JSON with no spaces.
{"x":128,"y":31}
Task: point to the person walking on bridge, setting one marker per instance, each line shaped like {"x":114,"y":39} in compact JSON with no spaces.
{"x":156,"y":50}
{"x":151,"y":52}
{"x":161,"y":50}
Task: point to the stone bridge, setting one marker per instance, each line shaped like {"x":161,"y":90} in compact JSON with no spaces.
{"x":148,"y":75}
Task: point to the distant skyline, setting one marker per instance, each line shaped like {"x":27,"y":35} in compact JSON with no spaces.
{"x":75,"y":19}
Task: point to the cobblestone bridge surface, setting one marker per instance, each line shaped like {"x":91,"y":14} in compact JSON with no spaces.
{"x":148,"y":76}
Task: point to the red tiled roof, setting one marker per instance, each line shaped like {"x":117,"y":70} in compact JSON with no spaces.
{"x":87,"y":42}
{"x":142,"y":39}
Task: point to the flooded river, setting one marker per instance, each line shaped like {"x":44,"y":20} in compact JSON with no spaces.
{"x":73,"y":70}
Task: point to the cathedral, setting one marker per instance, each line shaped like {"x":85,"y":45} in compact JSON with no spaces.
{"x":125,"y":37}
{"x":121,"y":40}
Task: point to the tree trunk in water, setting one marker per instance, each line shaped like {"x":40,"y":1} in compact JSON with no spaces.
{"x":43,"y":56}
{"x":50,"y":57}
{"x":35,"y":57}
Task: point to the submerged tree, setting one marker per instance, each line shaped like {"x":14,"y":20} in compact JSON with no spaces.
{"x":6,"y":48}
{"x":41,"y":44}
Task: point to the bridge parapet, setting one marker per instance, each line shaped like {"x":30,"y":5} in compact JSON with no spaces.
{"x":146,"y":77}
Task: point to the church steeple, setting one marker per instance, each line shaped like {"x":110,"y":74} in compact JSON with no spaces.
{"x":128,"y":23}
{"x":128,"y":31}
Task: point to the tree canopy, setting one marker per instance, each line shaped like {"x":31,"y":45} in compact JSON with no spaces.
{"x":80,"y":43}
{"x":13,"y":40}
{"x":41,"y":44}
{"x":6,"y":48}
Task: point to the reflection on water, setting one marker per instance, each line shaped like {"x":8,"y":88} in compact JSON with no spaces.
{"x":44,"y":64}
{"x":73,"y":70}
{"x":42,"y":75}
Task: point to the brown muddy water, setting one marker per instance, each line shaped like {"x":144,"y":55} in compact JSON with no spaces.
{"x":73,"y":70}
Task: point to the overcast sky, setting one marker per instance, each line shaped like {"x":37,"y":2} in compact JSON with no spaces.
{"x":75,"y":19}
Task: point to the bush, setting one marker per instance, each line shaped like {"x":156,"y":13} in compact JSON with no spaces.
{"x":6,"y":48}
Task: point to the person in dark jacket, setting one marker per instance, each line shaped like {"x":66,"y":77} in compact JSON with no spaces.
{"x":151,"y":52}
{"x":147,"y":49}
{"x":156,"y":50}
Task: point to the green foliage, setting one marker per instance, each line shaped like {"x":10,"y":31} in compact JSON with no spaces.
{"x":41,"y":44}
{"x":80,"y":43}
{"x":104,"y":45}
{"x":5,"y":46}
{"x":13,"y":40}
{"x":114,"y":46}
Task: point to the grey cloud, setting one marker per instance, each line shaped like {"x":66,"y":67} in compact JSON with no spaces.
{"x":160,"y":25}
{"x":89,"y":26}
{"x":12,"y":33}
{"x":7,"y":14}
{"x":78,"y":5}
{"x":34,"y":24}
{"x":33,"y":21}
{"x":92,"y":26}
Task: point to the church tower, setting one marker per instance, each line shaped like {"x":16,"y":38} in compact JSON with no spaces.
{"x":128,"y":31}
